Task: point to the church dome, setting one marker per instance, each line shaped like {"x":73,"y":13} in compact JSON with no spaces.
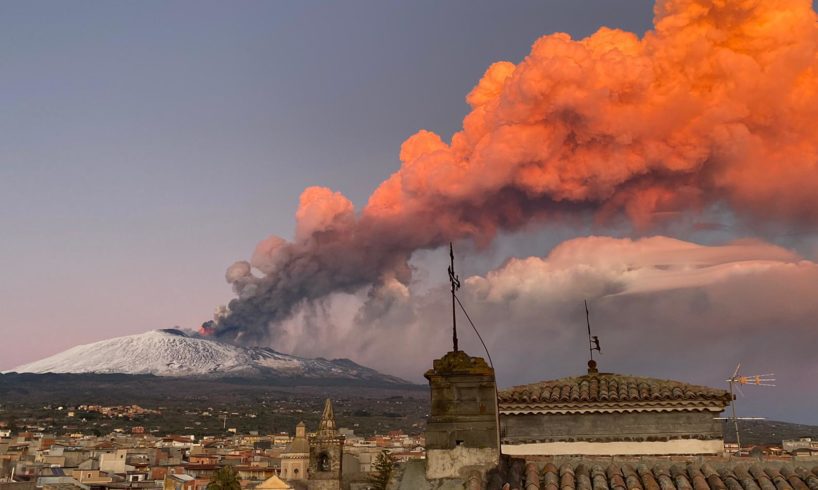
{"x":298,"y":446}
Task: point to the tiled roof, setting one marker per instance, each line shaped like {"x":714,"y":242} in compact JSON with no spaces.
{"x":273,"y":483}
{"x":611,"y":390}
{"x":615,"y":476}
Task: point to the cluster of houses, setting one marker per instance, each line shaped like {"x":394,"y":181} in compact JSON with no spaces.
{"x":30,"y":461}
{"x":801,"y":447}
{"x":593,"y":431}
{"x":126,"y":411}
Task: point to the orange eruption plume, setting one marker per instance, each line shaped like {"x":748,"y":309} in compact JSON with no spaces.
{"x":717,"y":104}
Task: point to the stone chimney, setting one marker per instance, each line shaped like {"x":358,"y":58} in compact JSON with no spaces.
{"x":461,"y":433}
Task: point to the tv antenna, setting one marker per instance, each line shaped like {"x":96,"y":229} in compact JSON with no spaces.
{"x":737,"y":380}
{"x":454,"y":279}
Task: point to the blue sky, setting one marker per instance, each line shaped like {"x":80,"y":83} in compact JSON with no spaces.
{"x":148,"y":145}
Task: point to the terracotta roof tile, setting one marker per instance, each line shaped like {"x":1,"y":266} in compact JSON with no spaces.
{"x":611,"y":388}
{"x":584,"y":475}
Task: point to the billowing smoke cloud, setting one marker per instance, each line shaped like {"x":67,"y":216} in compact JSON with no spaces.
{"x":662,"y":307}
{"x":716,"y":105}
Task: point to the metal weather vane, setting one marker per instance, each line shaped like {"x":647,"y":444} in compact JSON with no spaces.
{"x":593,"y":340}
{"x":454,"y":279}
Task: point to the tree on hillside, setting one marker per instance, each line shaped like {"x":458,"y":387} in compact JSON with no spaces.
{"x":225,"y":478}
{"x":382,"y":471}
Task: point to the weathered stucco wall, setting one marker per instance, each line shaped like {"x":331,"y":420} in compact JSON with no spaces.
{"x":677,"y":446}
{"x":459,"y":462}
{"x":463,"y":403}
{"x":610,"y":427}
{"x":462,"y":428}
{"x":462,"y":413}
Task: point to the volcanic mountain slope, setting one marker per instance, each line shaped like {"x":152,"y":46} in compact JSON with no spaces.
{"x":172,"y":352}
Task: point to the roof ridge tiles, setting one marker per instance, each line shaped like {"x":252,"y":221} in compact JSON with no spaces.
{"x":760,"y":476}
{"x":779,"y":481}
{"x":648,"y":479}
{"x":615,"y":477}
{"x":596,"y":474}
{"x":550,"y":477}
{"x":729,"y":479}
{"x":604,"y":387}
{"x":632,"y":478}
{"x":599,"y":480}
{"x":807,"y":476}
{"x":697,"y":478}
{"x":680,"y":477}
{"x":792,"y":478}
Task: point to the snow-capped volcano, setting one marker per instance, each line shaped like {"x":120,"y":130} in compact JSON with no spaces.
{"x":172,"y":352}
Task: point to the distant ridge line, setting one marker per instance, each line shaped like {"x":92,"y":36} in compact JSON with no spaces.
{"x":174,"y":353}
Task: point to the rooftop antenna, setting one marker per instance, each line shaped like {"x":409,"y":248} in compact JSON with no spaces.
{"x":454,"y":279}
{"x":593,"y":340}
{"x":738,"y":380}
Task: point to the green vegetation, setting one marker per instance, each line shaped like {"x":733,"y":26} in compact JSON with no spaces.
{"x":383,"y":471}
{"x":199,"y":407}
{"x":225,"y":478}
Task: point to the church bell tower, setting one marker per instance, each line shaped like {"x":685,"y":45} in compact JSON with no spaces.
{"x":326,"y":453}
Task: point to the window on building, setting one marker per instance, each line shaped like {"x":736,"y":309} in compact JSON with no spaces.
{"x":323,"y":462}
